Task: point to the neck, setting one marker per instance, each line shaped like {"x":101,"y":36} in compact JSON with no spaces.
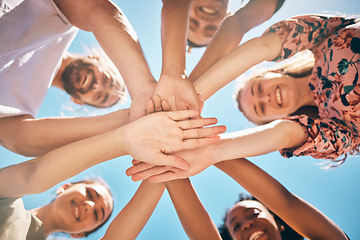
{"x":305,"y":91}
{"x":44,"y":214}
{"x":57,"y":82}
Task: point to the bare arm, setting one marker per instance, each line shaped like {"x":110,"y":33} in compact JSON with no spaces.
{"x":133,"y":217}
{"x":146,"y":139}
{"x":271,"y":137}
{"x":297,"y":213}
{"x":237,"y":62}
{"x":192,"y":214}
{"x":118,"y":39}
{"x":174,"y":27}
{"x":173,"y":85}
{"x":35,"y":137}
{"x":231,"y":31}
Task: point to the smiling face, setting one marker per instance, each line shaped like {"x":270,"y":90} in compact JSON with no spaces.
{"x":250,"y":220}
{"x":205,"y":19}
{"x":273,"y":96}
{"x":88,"y":83}
{"x":82,"y":207}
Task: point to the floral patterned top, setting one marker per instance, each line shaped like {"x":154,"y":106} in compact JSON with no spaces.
{"x":335,"y":42}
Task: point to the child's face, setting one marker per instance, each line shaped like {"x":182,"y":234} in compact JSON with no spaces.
{"x":82,"y":207}
{"x":205,"y":19}
{"x":250,"y":220}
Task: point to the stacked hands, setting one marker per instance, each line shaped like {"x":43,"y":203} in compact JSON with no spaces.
{"x":172,"y":135}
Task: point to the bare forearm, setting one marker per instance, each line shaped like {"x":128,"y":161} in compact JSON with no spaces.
{"x":133,"y":217}
{"x":34,"y":137}
{"x":174,"y":27}
{"x":231,"y":32}
{"x":297,"y":213}
{"x":192,"y":214}
{"x":271,"y":137}
{"x":237,"y":62}
{"x":41,"y":173}
{"x":115,"y":35}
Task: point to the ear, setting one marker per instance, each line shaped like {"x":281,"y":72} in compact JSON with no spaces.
{"x":77,"y":235}
{"x":77,"y":101}
{"x":63,"y":188}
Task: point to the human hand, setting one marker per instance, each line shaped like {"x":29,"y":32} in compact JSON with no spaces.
{"x":139,"y":103}
{"x":152,"y":138}
{"x":179,"y":93}
{"x":199,"y":159}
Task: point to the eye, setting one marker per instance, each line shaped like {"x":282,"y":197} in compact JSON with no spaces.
{"x":262,"y":108}
{"x":89,"y":194}
{"x":96,"y":215}
{"x":236,"y":227}
{"x":260,"y":89}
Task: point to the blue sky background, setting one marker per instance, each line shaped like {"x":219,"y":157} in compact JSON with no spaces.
{"x":334,"y":192}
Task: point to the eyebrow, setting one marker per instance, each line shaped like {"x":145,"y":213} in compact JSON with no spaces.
{"x":105,"y":98}
{"x":252,"y":89}
{"x":232,"y":220}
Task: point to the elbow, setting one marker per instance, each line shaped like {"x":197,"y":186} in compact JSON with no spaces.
{"x":290,"y":133}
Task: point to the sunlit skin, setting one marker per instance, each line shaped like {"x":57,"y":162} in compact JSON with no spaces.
{"x":96,"y":87}
{"x":250,"y":220}
{"x":205,"y":18}
{"x":274,"y":96}
{"x":82,"y":207}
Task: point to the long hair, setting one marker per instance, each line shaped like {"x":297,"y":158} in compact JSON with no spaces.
{"x":287,"y":234}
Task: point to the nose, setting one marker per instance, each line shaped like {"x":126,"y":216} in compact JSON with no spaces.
{"x":265,"y":98}
{"x":247,"y":225}
{"x":89,"y":205}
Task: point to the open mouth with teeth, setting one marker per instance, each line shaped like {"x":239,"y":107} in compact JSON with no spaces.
{"x":256,"y":235}
{"x":76,"y":211}
{"x":278,"y":98}
{"x":208,"y":10}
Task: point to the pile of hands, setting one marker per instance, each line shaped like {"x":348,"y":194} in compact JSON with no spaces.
{"x":167,"y":137}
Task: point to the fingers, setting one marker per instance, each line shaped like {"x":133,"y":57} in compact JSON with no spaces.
{"x":172,"y":161}
{"x":139,"y":167}
{"x":183,"y":115}
{"x":165,"y":105}
{"x":203,"y":132}
{"x":168,"y":176}
{"x":157,"y":103}
{"x":189,"y":144}
{"x":150,"y":172}
{"x":197,"y":123}
{"x":150,"y":108}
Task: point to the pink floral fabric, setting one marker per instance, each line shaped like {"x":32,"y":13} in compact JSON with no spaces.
{"x":335,"y":42}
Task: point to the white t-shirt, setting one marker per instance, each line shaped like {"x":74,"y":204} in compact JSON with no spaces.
{"x":34,"y":35}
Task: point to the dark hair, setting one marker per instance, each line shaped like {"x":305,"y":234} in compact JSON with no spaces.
{"x":287,"y":234}
{"x":103,"y":183}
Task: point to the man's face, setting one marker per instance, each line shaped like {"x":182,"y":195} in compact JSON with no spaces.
{"x":88,"y":83}
{"x":205,"y":18}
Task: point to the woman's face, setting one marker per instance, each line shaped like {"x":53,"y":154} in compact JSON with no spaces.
{"x":250,"y":220}
{"x":82,"y":207}
{"x":205,"y":19}
{"x":271,"y":97}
